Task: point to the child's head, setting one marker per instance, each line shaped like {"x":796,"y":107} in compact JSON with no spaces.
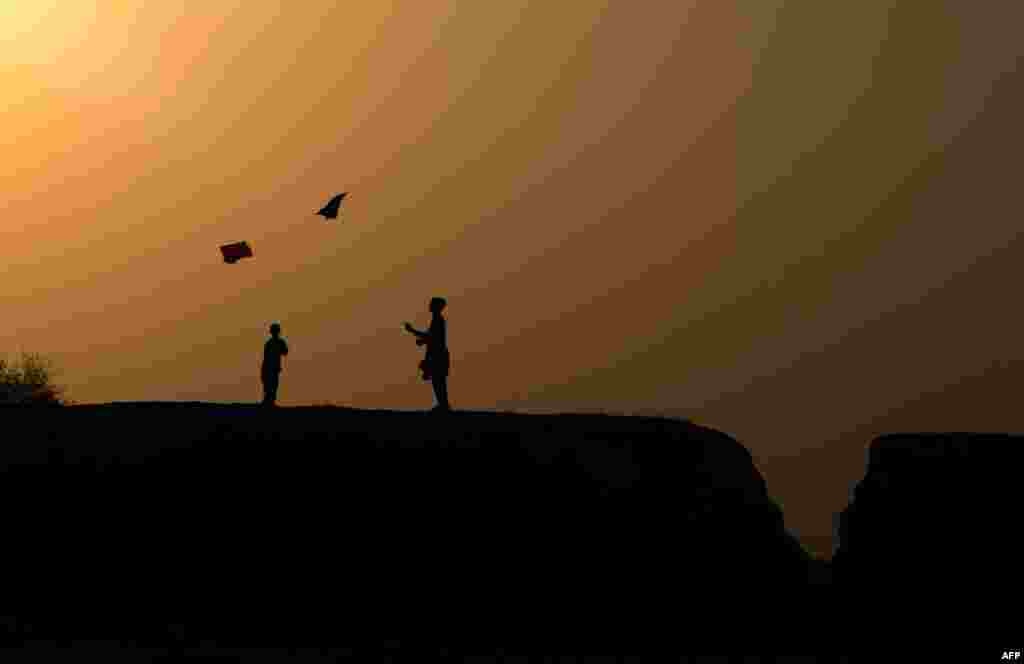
{"x":437,"y":304}
{"x":275,"y":329}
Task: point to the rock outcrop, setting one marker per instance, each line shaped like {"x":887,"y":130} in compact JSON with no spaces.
{"x":324,"y":525}
{"x":928,"y":547}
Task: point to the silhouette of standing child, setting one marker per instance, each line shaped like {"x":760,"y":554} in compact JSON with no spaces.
{"x":437,"y":362}
{"x":270,"y":371}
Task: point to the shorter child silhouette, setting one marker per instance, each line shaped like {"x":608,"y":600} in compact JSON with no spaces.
{"x":270,"y":371}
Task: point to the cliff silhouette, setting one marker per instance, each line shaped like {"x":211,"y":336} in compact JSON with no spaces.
{"x":928,"y":540}
{"x":175,"y":526}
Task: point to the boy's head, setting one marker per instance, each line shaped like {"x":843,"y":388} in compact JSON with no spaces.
{"x":275,"y":330}
{"x":437,"y":304}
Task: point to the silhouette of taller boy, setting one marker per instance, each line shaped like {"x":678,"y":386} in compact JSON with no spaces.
{"x":270,"y":371}
{"x":437,"y":361}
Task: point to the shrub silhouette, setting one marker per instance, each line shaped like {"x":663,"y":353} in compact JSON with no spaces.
{"x":29,"y":382}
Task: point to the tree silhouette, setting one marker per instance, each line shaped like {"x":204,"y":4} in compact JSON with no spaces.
{"x":29,"y":382}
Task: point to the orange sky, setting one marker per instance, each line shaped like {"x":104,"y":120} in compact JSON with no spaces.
{"x":790,"y":220}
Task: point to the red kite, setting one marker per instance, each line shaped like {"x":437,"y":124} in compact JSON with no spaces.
{"x":233,"y":252}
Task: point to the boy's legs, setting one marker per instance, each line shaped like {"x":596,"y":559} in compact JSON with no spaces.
{"x":270,"y":383}
{"x":274,"y":382}
{"x":440,"y":384}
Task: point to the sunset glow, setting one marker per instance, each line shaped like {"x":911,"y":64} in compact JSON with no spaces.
{"x":778,"y":218}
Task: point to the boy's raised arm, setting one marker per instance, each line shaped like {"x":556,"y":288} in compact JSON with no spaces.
{"x":418,"y":333}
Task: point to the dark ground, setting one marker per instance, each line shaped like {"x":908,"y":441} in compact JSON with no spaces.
{"x":184,"y":526}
